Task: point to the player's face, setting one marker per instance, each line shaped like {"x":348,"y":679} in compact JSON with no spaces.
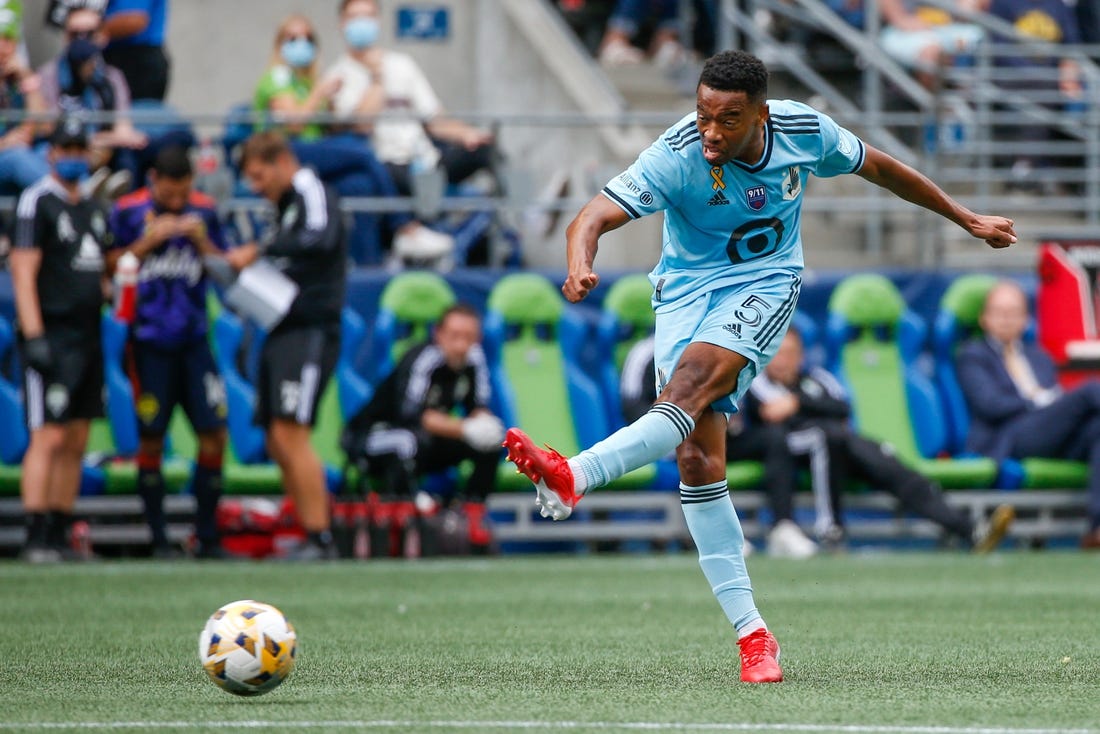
{"x":455,"y":337}
{"x":269,"y":180}
{"x":171,"y":194}
{"x":787,"y":362}
{"x":731,"y":126}
{"x":1004,"y":317}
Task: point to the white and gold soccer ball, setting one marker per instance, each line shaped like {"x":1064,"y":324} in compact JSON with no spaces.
{"x":248,"y":648}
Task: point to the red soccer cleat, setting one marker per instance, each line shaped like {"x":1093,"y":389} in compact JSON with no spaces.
{"x":760,"y":658}
{"x":548,"y":469}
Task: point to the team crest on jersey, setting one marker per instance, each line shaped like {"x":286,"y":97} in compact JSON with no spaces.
{"x":290,"y":216}
{"x":756,"y":197}
{"x":66,"y":232}
{"x":792,"y":184}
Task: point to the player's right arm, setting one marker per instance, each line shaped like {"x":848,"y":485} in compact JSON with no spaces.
{"x":582,"y":240}
{"x":24,"y":262}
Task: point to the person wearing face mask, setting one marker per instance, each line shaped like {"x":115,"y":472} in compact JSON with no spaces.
{"x":375,"y":80}
{"x":170,"y":228}
{"x":291,"y":93}
{"x":57,"y":275}
{"x":79,"y":82}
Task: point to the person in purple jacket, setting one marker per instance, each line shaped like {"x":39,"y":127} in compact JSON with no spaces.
{"x":1017,"y":409}
{"x":170,"y":228}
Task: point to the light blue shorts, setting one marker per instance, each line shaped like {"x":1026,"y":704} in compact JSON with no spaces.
{"x":749,"y":319}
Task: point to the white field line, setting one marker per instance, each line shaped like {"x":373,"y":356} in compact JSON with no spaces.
{"x":367,"y":724}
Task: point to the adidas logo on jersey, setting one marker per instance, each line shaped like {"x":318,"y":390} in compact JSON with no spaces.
{"x":718,"y":199}
{"x":89,"y":257}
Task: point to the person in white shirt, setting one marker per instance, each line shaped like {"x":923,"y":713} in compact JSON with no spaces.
{"x":374,"y":80}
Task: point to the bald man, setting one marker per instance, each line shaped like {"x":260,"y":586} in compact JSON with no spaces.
{"x":1017,"y":409}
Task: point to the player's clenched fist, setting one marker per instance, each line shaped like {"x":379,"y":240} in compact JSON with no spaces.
{"x":577,"y":286}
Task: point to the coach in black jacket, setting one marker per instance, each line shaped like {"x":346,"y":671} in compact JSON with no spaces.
{"x":309,"y":245}
{"x":1017,"y":409}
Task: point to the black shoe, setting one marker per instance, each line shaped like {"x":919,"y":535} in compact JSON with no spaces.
{"x":213,"y":551}
{"x":166,"y":552}
{"x":36,"y":554}
{"x":310,"y":551}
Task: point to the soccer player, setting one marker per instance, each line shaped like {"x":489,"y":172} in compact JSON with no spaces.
{"x":170,"y":228}
{"x":57,"y":276}
{"x":299,"y":355}
{"x":730,"y":179}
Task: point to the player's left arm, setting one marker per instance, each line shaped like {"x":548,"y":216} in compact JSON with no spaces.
{"x":910,"y":184}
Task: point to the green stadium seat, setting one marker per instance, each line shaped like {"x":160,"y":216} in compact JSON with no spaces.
{"x":956,"y":321}
{"x":626,"y":318}
{"x":409,"y":305}
{"x":531,"y":341}
{"x":872,"y":341}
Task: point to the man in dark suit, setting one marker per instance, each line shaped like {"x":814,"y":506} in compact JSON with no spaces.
{"x":1017,"y":408}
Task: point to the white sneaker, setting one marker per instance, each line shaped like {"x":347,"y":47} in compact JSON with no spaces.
{"x":620,"y":53}
{"x":419,"y":244}
{"x":786,"y":540}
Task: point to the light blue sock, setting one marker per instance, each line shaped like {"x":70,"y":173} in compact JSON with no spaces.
{"x":659,"y":431}
{"x":717,"y":534}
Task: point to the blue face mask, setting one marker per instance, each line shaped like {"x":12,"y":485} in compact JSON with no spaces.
{"x":361,"y":33}
{"x":299,"y":52}
{"x":71,"y":170}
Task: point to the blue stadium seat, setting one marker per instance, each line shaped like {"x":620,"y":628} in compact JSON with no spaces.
{"x":354,"y":390}
{"x":247,"y":440}
{"x":873,"y":343}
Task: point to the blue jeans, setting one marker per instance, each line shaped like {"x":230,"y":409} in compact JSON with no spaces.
{"x":347,"y":163}
{"x":19,"y":168}
{"x":630,"y":15}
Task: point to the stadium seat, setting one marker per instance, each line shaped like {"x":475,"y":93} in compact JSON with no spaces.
{"x":956,"y":321}
{"x":247,"y":440}
{"x":13,"y":427}
{"x":873,"y":343}
{"x":409,"y":306}
{"x":531,"y":342}
{"x":626,"y":319}
{"x":354,"y":390}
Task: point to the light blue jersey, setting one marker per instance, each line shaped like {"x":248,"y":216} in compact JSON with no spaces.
{"x":739,"y":222}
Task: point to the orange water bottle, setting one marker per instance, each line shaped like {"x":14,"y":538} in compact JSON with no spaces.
{"x":126,"y":282}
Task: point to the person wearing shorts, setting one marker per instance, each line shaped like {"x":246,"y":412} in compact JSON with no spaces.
{"x":170,"y":228}
{"x":309,"y":245}
{"x":729,"y":178}
{"x":57,"y":275}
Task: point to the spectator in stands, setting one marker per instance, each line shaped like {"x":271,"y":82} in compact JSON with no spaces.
{"x":170,"y":228}
{"x":299,"y":355}
{"x":588,"y":19}
{"x":1017,"y":409}
{"x":58,"y":10}
{"x":1053,"y":81}
{"x":799,"y":416}
{"x":431,"y":413}
{"x":290,"y":91}
{"x":20,"y":164}
{"x":617,"y":47}
{"x":374,"y":80}
{"x":136,"y":30}
{"x":1088,"y":22}
{"x":57,"y":276}
{"x":924,"y":38}
{"x":79,"y":82}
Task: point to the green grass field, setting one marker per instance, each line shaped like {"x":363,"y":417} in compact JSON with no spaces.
{"x":906,"y":643}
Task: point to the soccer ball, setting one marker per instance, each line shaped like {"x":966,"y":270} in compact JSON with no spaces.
{"x":248,"y":648}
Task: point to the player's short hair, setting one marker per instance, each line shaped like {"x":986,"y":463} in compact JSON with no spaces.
{"x":736,"y":71}
{"x":460,"y":309}
{"x":173,"y":162}
{"x":267,"y":147}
